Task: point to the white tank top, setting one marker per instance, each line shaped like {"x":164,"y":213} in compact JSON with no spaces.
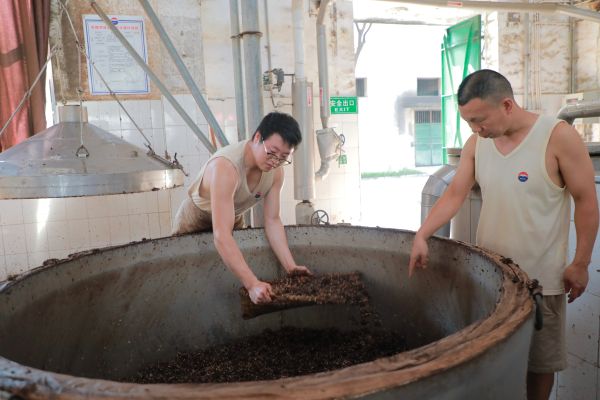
{"x":524,"y":215}
{"x":243,"y":198}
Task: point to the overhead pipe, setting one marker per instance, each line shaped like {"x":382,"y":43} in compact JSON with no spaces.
{"x":298,"y":29}
{"x":544,"y":8}
{"x":251,"y":35}
{"x":240,"y":110}
{"x":163,"y":89}
{"x":572,"y":81}
{"x":302,"y":109}
{"x":526,"y":61}
{"x":252,"y":67}
{"x":579,"y":110}
{"x":391,"y":21}
{"x":185,"y":73}
{"x":322,"y":63}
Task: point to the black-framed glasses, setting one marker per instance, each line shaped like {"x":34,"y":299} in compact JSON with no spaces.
{"x":275,"y":158}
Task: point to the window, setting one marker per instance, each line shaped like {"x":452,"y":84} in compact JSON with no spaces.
{"x":428,"y":86}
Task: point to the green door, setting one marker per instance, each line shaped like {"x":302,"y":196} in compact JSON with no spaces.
{"x":428,"y":138}
{"x":461,"y":55}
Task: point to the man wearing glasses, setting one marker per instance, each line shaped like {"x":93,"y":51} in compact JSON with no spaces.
{"x":234,"y":180}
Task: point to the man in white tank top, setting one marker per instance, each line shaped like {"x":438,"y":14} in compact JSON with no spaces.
{"x":231,"y":182}
{"x":528,"y":167}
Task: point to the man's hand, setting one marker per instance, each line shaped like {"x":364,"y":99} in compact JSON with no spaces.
{"x":260,"y":292}
{"x":575,"y":279}
{"x":419,"y":255}
{"x":298,"y":270}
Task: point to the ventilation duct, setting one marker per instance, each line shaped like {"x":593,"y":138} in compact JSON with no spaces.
{"x":53,"y":163}
{"x":583,"y":109}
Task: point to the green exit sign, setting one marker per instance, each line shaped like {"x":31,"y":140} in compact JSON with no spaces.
{"x":343,"y":105}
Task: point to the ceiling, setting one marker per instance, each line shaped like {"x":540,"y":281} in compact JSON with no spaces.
{"x":398,"y":12}
{"x":393,"y":12}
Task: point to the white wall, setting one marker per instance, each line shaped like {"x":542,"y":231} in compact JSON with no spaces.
{"x":587,"y":70}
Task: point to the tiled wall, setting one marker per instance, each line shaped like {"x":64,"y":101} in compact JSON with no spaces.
{"x":35,"y":230}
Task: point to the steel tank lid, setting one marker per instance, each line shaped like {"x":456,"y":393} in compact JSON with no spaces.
{"x":47,"y":164}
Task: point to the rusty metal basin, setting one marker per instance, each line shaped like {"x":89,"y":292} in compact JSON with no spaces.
{"x":72,"y":328}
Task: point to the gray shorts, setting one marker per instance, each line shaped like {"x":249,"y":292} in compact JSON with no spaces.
{"x":548,"y":352}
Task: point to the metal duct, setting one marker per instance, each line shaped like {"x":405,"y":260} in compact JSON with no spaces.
{"x":579,"y":110}
{"x":251,"y":35}
{"x":329,"y":144}
{"x":47,"y":165}
{"x":322,"y":62}
{"x":304,"y":168}
{"x":302,"y":110}
{"x":238,"y":77}
{"x":298,"y":28}
{"x":328,"y":141}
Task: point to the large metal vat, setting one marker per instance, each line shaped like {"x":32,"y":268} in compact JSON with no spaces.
{"x":71,"y":327}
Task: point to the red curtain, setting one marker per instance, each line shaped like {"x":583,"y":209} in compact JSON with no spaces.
{"x":24,"y":26}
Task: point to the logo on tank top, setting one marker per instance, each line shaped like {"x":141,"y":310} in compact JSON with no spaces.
{"x":523,"y":176}
{"x":257,"y":195}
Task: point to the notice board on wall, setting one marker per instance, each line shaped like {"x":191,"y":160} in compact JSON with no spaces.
{"x":114,"y":63}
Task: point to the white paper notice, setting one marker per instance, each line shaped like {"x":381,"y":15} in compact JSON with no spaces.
{"x":117,"y":67}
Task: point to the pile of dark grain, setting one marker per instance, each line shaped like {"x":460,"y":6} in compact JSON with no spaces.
{"x":289,"y":351}
{"x":274,"y":355}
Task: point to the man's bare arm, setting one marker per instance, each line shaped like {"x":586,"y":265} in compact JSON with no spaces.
{"x":577,"y":171}
{"x":274,"y":227}
{"x":446,"y":206}
{"x":223,"y":179}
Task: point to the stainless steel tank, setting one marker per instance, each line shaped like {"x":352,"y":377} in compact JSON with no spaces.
{"x":463,"y":225}
{"x":71,"y":328}
{"x":436,"y":185}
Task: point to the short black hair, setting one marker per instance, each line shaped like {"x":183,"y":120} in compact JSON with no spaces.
{"x":484,"y":84}
{"x":283,"y":124}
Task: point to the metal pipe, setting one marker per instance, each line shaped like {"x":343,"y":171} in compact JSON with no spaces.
{"x":268,"y":48}
{"x":527,"y":62}
{"x":267,"y":35}
{"x":304,"y":170}
{"x":304,"y":167}
{"x":391,"y":21}
{"x":547,"y":8}
{"x":252,"y":65}
{"x":572,"y":82}
{"x":154,"y":78}
{"x":579,"y":110}
{"x":185,"y":73}
{"x":298,"y":27}
{"x":238,"y":80}
{"x":537,"y":61}
{"x":323,"y":68}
